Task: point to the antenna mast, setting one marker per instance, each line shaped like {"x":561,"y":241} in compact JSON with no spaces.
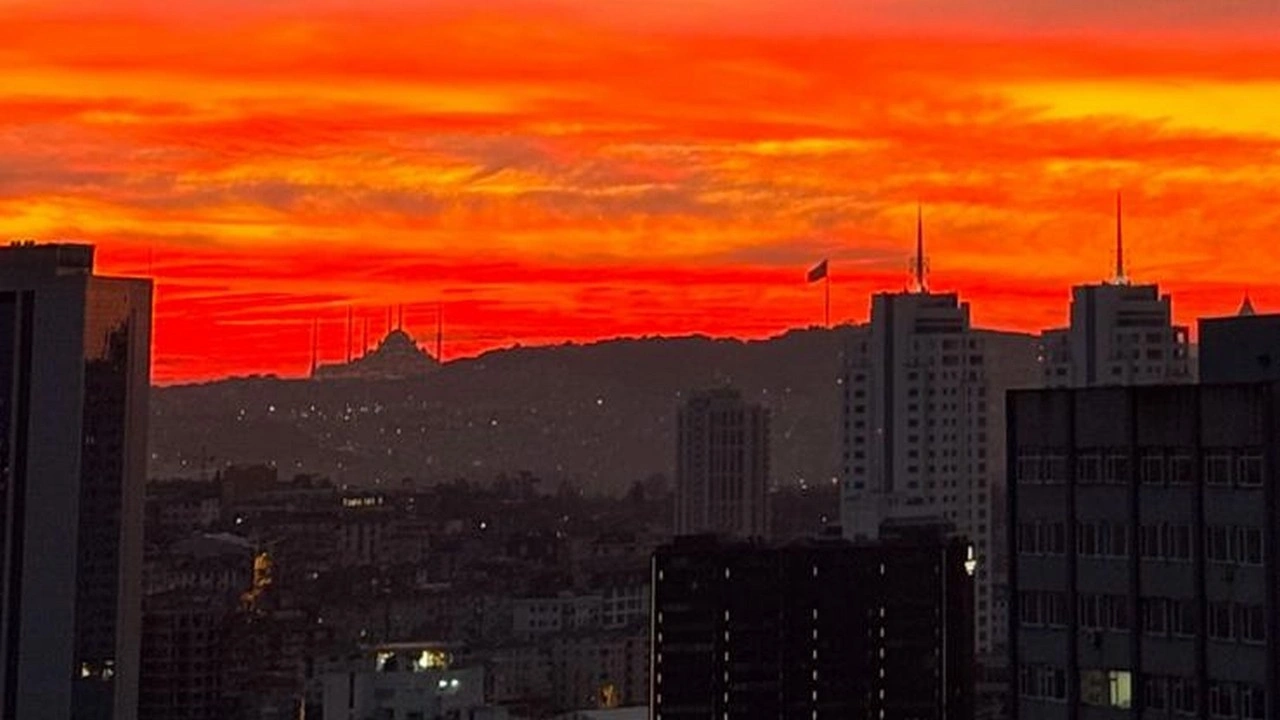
{"x":1120,"y":278}
{"x":919,"y":264}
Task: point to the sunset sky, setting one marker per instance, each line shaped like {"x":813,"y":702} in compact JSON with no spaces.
{"x":578,"y":169}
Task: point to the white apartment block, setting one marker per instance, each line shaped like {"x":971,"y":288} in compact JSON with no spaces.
{"x":923,"y":429}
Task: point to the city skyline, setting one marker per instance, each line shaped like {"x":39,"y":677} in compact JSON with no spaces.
{"x":534,"y":168}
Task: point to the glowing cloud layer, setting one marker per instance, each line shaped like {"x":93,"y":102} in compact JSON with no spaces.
{"x":553,"y":171}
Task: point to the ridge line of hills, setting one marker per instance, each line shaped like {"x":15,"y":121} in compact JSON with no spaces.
{"x":599,"y":416}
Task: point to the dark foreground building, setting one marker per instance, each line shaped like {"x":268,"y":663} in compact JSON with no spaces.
{"x":824,"y":628}
{"x":74,"y":377}
{"x":1144,"y":524}
{"x":1244,"y":347}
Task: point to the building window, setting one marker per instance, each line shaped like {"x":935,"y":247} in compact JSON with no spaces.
{"x":1253,"y":702}
{"x":1054,"y":607}
{"x":1088,"y":468}
{"x":1053,"y":683}
{"x":1182,"y":695}
{"x":1182,"y":618}
{"x":1216,"y":546}
{"x":1057,"y":538}
{"x":1087,"y":539}
{"x":1120,"y":686}
{"x":1116,"y":612}
{"x":1179,"y":470}
{"x":1155,"y":692}
{"x":1222,"y":699}
{"x":1090,"y":618}
{"x":1250,"y":546}
{"x":1151,"y":468}
{"x":1155,"y":616}
{"x":1029,"y":608}
{"x":1115,"y":469}
{"x":1149,"y":541}
{"x":1250,"y":469}
{"x":1106,"y":688}
{"x":1217,"y":468}
{"x":1251,"y":624}
{"x":1234,"y":544}
{"x":1220,"y":621}
{"x":1177,"y":542}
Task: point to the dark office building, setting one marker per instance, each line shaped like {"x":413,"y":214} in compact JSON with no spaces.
{"x":822,"y":628}
{"x":1241,"y":348}
{"x":722,"y":465}
{"x":182,"y":662}
{"x":1144,"y":525}
{"x":73,"y":393}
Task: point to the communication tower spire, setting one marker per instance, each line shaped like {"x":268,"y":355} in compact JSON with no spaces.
{"x":1120,"y":278}
{"x":918,"y":269}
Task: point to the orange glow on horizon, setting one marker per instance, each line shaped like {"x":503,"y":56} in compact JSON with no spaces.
{"x":562,"y":170}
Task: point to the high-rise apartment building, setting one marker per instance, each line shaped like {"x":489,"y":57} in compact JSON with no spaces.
{"x":1144,"y":524}
{"x":822,"y":628}
{"x":923,"y":418}
{"x":73,"y":391}
{"x":722,"y":465}
{"x":1120,"y":334}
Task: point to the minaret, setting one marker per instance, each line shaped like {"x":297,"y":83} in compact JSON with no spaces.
{"x":440,"y":333}
{"x":919,"y":265}
{"x":315,"y":344}
{"x":350,"y":332}
{"x":364,"y":341}
{"x":1120,"y":278}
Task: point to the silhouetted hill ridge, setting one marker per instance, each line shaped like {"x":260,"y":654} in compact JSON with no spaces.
{"x":600,"y":415}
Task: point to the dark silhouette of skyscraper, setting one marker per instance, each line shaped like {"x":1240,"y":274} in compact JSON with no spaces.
{"x":74,"y":382}
{"x":722,"y":465}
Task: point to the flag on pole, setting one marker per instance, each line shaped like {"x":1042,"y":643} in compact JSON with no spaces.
{"x":817,"y":272}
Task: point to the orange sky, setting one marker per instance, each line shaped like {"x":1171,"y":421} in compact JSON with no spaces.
{"x":574,"y":170}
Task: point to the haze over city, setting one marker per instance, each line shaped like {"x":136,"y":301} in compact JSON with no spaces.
{"x":555,"y":171}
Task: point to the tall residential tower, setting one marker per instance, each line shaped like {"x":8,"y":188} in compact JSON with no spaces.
{"x":1120,"y":334}
{"x":722,"y":466}
{"x":922,"y":424}
{"x":73,"y":404}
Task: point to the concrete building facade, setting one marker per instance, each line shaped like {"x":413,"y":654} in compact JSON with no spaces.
{"x":1144,"y":524}
{"x":722,"y":465}
{"x":826,"y":628}
{"x":1120,"y":334}
{"x":922,"y":428}
{"x":73,"y":453}
{"x":1241,"y":348}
